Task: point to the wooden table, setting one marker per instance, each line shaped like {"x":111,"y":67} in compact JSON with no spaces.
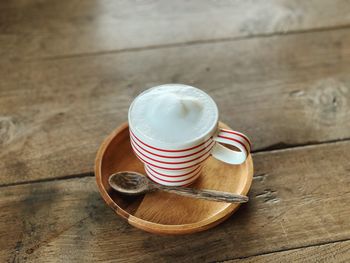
{"x":279,"y":71}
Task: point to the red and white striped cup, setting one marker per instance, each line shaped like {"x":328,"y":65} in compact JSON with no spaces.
{"x":181,"y":164}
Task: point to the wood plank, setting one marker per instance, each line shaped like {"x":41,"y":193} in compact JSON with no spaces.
{"x":55,"y":113}
{"x":334,"y":252}
{"x":69,"y":27}
{"x":299,"y":198}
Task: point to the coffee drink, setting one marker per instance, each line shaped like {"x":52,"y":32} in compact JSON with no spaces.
{"x":173,"y":113}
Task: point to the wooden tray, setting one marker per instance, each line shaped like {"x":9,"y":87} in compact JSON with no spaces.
{"x":166,"y":213}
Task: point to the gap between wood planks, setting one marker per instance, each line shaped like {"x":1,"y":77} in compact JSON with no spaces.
{"x":195,"y":42}
{"x":284,"y":146}
{"x":278,"y":147}
{"x":66,"y":177}
{"x":288,"y":249}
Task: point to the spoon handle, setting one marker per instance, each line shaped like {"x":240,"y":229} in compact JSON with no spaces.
{"x":205,"y":194}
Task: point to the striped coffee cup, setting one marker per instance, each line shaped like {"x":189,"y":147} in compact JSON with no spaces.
{"x":181,"y":163}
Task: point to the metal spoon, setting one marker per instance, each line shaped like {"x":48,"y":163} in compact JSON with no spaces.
{"x":132,"y":183}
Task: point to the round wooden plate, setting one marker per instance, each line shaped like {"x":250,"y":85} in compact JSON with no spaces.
{"x":165,"y":213}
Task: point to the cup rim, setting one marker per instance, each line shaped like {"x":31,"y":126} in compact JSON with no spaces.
{"x":174,"y":146}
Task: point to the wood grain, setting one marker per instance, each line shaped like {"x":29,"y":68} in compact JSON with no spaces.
{"x":55,"y":113}
{"x":335,"y":252}
{"x":38,"y":29}
{"x":211,"y":195}
{"x":299,"y":198}
{"x":69,"y":70}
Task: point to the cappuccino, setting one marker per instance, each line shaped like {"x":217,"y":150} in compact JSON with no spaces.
{"x":173,"y":113}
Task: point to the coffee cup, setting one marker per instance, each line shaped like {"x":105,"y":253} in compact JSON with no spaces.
{"x":174,"y":130}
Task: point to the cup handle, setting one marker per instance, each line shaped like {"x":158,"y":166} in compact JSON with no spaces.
{"x":234,"y":138}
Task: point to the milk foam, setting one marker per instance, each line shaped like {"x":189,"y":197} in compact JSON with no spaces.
{"x":173,"y":113}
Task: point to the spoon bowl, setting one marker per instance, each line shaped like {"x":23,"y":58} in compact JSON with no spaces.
{"x":130,"y":183}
